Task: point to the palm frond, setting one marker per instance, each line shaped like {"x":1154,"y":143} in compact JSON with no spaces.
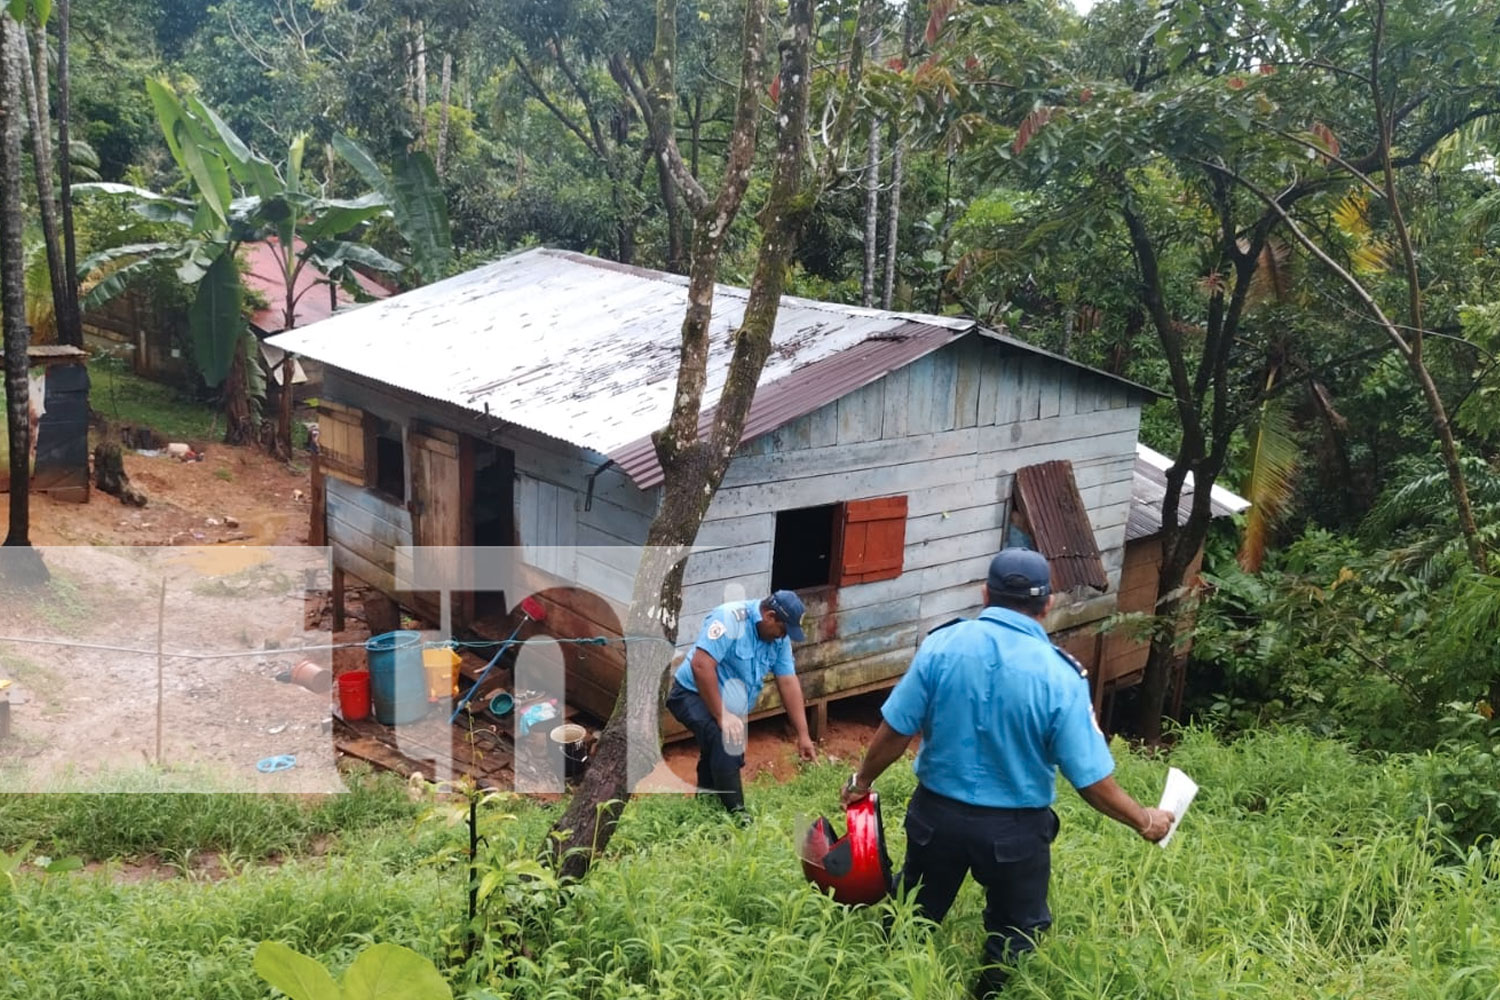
{"x":1271,"y":484}
{"x":1272,"y":279}
{"x":1426,"y":498}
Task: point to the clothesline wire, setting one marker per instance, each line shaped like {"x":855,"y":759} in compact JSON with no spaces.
{"x":476,"y":644}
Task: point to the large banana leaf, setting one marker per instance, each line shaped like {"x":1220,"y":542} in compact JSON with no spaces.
{"x":186,"y":140}
{"x":113,"y":284}
{"x":215,"y":318}
{"x":416,"y":201}
{"x":426,"y":211}
{"x":249,"y":168}
{"x":332,"y":216}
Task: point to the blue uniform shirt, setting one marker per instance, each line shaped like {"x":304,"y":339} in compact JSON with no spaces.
{"x":729,"y":636}
{"x":999,"y":711}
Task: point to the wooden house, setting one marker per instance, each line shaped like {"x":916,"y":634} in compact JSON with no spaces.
{"x":886,"y":458}
{"x":1121,"y":656}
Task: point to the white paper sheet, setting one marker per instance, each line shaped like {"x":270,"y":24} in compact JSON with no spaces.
{"x":1176,"y":798}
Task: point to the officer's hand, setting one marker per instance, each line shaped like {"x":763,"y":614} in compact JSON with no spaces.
{"x":850,"y":793}
{"x":1158,"y":822}
{"x":733,"y":728}
{"x":805,"y":748}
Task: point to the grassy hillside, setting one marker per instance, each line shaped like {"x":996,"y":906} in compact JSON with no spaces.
{"x":1302,"y":871}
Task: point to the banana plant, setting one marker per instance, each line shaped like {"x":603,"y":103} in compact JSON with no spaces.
{"x":239,"y":196}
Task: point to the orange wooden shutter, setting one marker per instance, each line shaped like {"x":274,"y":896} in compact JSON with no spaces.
{"x":872,"y":540}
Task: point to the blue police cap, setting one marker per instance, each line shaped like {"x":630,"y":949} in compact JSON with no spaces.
{"x":1019,"y":572}
{"x":788,"y":608}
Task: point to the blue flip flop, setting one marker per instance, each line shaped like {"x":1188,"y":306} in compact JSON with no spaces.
{"x":281,"y":762}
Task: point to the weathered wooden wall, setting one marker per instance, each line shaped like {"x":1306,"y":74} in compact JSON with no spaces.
{"x":948,"y":432}
{"x":571,"y":540}
{"x":1124,"y":657}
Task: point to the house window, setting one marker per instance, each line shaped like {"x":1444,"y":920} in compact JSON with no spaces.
{"x":387,"y":469}
{"x":803,"y":554}
{"x":1047,"y":512}
{"x":859,"y":541}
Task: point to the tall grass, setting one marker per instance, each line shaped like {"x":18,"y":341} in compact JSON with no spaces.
{"x":1303,"y":870}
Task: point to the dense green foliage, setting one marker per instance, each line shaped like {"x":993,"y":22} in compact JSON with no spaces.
{"x":1302,"y":870}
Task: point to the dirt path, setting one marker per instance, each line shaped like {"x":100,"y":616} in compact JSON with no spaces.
{"x":234,"y":495}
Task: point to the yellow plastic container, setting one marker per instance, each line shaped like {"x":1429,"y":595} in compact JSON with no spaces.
{"x":441,"y":665}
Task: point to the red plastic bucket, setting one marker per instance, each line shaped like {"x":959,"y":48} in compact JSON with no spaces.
{"x":354,"y":695}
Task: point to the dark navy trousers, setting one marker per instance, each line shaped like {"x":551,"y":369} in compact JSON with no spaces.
{"x":1009,"y":852}
{"x":718,"y":769}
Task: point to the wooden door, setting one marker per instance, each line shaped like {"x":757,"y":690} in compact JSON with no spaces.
{"x":442,"y":482}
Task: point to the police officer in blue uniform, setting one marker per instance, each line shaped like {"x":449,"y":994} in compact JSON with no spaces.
{"x":720,"y":679}
{"x":1000,"y":710}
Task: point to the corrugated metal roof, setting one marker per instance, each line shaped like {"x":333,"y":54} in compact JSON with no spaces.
{"x":586,"y":351}
{"x":1148,"y":491}
{"x":1060,"y":525}
{"x":263,"y":274}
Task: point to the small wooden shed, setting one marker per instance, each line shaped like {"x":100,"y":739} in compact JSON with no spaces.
{"x":887,"y":456}
{"x":1122,"y":657}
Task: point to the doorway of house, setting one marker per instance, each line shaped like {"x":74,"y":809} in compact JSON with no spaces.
{"x":494,"y":511}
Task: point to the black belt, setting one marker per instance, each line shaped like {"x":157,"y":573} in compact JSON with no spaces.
{"x":969,"y":808}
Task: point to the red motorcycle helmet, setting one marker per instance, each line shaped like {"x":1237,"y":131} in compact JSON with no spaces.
{"x":855,"y":867}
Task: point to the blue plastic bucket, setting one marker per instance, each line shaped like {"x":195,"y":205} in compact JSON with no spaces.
{"x":398,"y":684}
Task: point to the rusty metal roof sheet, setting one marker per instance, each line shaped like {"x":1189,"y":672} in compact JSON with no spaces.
{"x":1148,"y":490}
{"x":586,"y":351}
{"x":805,"y":390}
{"x":1060,"y":525}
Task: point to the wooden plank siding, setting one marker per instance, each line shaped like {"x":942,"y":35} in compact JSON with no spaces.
{"x":948,"y":433}
{"x":364,"y":532}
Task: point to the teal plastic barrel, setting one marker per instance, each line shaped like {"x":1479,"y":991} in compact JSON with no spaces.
{"x":398,"y":685}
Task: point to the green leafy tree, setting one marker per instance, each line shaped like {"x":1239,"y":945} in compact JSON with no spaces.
{"x":1189,"y":142}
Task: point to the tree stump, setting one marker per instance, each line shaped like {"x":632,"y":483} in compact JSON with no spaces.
{"x":109,"y":474}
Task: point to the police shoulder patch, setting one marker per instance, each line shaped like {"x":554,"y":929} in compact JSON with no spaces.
{"x":1072,"y":661}
{"x":953,"y":621}
{"x":716,"y":630}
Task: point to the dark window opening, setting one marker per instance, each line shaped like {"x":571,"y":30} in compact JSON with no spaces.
{"x":803,"y":554}
{"x":390,"y":461}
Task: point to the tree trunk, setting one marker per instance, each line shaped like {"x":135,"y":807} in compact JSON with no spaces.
{"x":872,"y":211}
{"x":239,"y":422}
{"x":419,"y":72}
{"x":695,"y":468}
{"x":110,"y":477}
{"x":41,"y":159}
{"x":283,"y":446}
{"x":70,"y":321}
{"x":23,"y":563}
{"x":672,"y":205}
{"x":442,"y":140}
{"x":893,"y":217}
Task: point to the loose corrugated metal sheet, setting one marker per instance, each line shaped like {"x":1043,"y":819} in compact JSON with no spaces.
{"x":1148,"y":491}
{"x":586,"y":351}
{"x":1060,"y":526}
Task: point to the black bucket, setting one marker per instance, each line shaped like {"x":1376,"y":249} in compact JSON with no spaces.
{"x":567,"y":745}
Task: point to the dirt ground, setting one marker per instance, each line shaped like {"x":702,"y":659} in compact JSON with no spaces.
{"x":771,"y":748}
{"x":233,"y":496}
{"x":81,"y":652}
